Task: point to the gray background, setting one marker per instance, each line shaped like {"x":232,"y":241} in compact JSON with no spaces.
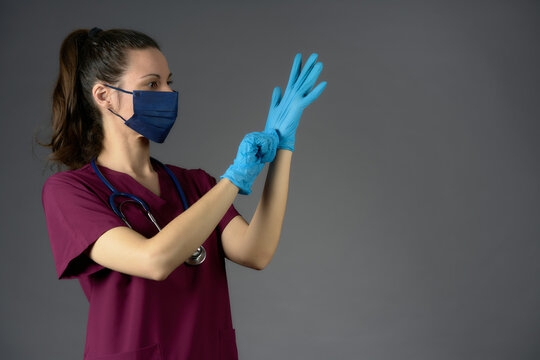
{"x":412,"y":225}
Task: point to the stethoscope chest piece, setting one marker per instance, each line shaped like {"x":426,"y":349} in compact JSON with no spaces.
{"x":197,"y":257}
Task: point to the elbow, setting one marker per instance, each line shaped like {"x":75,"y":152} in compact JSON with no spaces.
{"x":162,"y":269}
{"x":159,"y":271}
{"x":162,"y":264}
{"x":261,"y":262}
{"x":159,"y":274}
{"x":257,"y":267}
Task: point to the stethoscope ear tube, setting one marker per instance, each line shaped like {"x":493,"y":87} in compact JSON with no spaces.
{"x":198,"y":256}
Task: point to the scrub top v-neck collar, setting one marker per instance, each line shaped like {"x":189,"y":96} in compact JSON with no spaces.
{"x":161,"y":199}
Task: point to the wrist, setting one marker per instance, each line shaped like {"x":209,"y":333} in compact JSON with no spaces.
{"x":229,"y":183}
{"x":243,"y":189}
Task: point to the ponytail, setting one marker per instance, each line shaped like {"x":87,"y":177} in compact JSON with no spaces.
{"x":77,"y":131}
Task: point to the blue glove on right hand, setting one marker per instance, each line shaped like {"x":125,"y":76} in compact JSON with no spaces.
{"x":255,"y":149}
{"x":285,"y":113}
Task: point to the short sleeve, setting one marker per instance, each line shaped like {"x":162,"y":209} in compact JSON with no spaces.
{"x":208,"y":181}
{"x":76,"y":217}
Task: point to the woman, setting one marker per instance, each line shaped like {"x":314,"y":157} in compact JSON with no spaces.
{"x":151,"y":257}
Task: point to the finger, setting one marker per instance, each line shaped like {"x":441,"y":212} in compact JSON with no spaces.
{"x":275,"y":138}
{"x":267,"y":143}
{"x":249,"y":147}
{"x":264,"y":141}
{"x":306,"y":70}
{"x":290,"y":95}
{"x":269,"y":155}
{"x":295,"y":71}
{"x":270,"y":147}
{"x":276,"y":97}
{"x":313,"y":95}
{"x":311,"y":79}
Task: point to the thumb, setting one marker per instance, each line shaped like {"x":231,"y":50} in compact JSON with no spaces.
{"x":276,"y":97}
{"x":269,"y":143}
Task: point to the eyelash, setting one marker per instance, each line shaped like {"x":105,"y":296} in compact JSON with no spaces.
{"x":155,"y":82}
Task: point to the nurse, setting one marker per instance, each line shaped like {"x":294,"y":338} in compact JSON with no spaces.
{"x":151,"y":293}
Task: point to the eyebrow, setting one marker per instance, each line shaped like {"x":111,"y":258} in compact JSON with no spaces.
{"x":156,"y":75}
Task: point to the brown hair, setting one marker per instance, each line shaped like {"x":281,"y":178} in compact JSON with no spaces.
{"x":77,"y":132}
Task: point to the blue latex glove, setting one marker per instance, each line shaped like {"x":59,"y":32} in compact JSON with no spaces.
{"x":256,"y":149}
{"x":284,"y":114}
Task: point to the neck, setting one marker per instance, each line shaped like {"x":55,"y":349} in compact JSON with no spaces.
{"x":127,"y":155}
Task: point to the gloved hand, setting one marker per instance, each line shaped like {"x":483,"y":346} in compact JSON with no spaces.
{"x":284,"y":114}
{"x":256,"y":149}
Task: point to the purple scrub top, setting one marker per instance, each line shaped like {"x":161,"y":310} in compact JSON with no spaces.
{"x":187,"y":315}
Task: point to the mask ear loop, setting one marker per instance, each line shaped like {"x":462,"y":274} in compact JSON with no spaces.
{"x":117,"y":115}
{"x":112,"y":87}
{"x":128,"y":92}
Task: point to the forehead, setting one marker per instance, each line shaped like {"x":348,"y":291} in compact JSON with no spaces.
{"x":141,"y":62}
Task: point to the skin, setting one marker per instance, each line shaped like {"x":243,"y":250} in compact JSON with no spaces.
{"x":249,"y":244}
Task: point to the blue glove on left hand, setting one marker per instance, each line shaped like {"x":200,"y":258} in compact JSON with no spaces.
{"x":284,"y":114}
{"x":256,"y":149}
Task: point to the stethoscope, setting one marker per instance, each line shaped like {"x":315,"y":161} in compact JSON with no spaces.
{"x":198,"y":256}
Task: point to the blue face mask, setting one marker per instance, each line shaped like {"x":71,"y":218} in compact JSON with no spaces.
{"x":154,"y":113}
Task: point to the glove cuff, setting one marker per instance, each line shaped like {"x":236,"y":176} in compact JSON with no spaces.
{"x":286,"y":146}
{"x":230,"y":174}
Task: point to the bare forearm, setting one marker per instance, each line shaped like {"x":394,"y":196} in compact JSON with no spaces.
{"x":184,"y":234}
{"x":264,"y":230}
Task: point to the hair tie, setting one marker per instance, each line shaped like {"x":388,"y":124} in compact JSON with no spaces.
{"x":93,"y":32}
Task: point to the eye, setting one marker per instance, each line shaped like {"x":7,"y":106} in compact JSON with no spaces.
{"x":151,"y":84}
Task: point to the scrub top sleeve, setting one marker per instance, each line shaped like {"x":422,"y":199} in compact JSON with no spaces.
{"x":76,"y":217}
{"x":209,"y":182}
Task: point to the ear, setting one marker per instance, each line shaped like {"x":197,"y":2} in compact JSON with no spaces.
{"x":102,"y":96}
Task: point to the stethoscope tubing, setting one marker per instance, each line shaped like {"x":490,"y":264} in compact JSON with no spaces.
{"x":197,"y":257}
